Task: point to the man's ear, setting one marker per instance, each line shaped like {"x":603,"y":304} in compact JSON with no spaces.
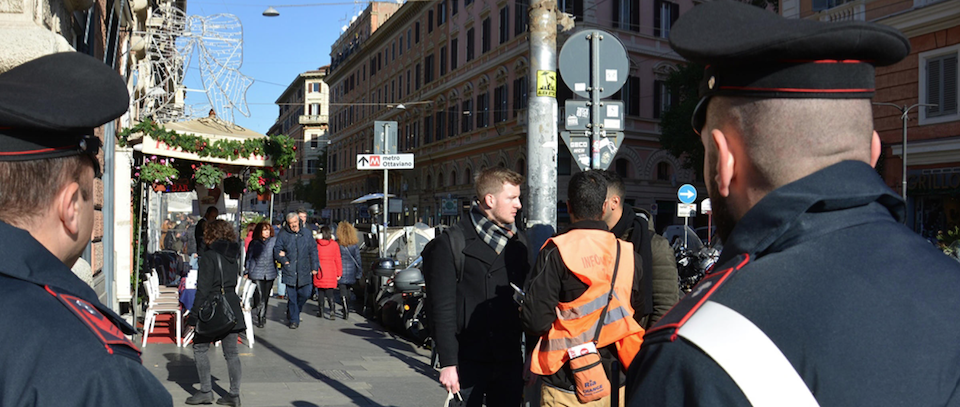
{"x":725,"y":163}
{"x":489,"y":200}
{"x":875,"y":149}
{"x":67,"y":207}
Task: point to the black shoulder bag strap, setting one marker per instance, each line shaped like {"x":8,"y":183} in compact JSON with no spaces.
{"x":220,"y":267}
{"x":613,"y":282}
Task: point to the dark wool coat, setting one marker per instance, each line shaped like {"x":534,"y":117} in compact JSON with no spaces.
{"x":209,"y":281}
{"x":477,"y":318}
{"x":300,"y":259}
{"x":260,"y":264}
{"x":350,"y":257}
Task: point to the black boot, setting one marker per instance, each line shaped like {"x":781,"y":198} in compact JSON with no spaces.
{"x":200,"y":398}
{"x":333,"y":308}
{"x":346,"y":309}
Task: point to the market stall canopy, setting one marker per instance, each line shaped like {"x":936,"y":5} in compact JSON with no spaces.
{"x":214,"y":129}
{"x":370,"y":197}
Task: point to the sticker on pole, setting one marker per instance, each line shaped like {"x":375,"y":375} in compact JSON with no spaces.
{"x":547,"y":83}
{"x":686,"y":210}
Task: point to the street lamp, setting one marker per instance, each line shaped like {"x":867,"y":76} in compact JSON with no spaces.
{"x":903,"y":116}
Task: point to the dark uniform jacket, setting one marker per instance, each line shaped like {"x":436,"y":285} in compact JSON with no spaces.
{"x":477,"y":318}
{"x":661,"y":288}
{"x":50,"y":357}
{"x":209,"y":283}
{"x":300,"y":257}
{"x":863,"y":308}
{"x":552,"y":283}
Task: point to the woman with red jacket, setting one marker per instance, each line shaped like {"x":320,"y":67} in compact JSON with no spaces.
{"x":331,"y":268}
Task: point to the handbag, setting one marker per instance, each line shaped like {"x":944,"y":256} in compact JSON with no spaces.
{"x":591,"y":380}
{"x":216,"y":316}
{"x":454,"y":400}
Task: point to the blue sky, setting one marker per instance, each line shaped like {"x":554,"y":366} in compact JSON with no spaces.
{"x":275,"y":49}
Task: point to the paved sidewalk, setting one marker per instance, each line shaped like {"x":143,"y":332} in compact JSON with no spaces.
{"x":349,"y":362}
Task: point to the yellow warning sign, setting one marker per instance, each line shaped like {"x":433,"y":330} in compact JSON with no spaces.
{"x":547,"y":83}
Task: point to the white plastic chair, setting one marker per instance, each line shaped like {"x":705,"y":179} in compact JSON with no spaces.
{"x":156,"y":307}
{"x":246,"y":301}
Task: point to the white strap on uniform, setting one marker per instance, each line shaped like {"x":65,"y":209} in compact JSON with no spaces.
{"x":748,"y":356}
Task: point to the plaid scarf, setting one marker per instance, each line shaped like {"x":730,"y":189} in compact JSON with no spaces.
{"x":493,"y":234}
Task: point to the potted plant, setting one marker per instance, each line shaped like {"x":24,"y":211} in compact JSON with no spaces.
{"x":233,"y":186}
{"x":157,"y":171}
{"x":263,"y":181}
{"x":208,"y":175}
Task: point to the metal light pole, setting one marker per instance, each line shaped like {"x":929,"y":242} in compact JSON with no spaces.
{"x":903,"y":116}
{"x":386,"y":206}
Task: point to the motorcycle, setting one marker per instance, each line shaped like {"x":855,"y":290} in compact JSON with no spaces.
{"x":401,"y":304}
{"x":693,"y":265}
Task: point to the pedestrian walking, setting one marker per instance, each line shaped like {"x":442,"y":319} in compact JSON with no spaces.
{"x":331,"y":269}
{"x":218,"y":273}
{"x":296,"y":251}
{"x":261,"y":268}
{"x":821,"y":295}
{"x":350,"y":259}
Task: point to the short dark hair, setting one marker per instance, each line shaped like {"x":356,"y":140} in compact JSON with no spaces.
{"x":586,"y":193}
{"x":211,"y":210}
{"x":614,"y":184}
{"x":30,"y":186}
{"x":218,"y":229}
{"x":302,"y":210}
{"x":491,"y":180}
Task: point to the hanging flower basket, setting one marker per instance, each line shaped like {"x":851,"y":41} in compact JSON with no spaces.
{"x":233,"y":185}
{"x":159,"y":187}
{"x":264,"y":196}
{"x":208,"y":175}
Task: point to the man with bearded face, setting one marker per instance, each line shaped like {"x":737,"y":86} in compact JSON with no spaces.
{"x":821,"y":295}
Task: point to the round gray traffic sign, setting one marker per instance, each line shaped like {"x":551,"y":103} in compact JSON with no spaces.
{"x":613,"y":64}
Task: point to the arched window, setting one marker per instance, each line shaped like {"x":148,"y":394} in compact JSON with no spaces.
{"x":621,"y":166}
{"x":453,"y":178}
{"x":664,"y":171}
{"x":429,"y":184}
{"x":521,"y":167}
{"x":468,"y":179}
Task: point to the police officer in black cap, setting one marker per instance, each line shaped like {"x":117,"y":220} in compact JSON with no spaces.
{"x":821,"y":295}
{"x":61,"y":346}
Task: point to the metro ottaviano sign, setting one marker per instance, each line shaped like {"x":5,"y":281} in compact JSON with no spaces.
{"x":384,"y":161}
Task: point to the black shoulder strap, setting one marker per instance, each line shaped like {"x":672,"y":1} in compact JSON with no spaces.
{"x":613,"y":283}
{"x":457,"y":243}
{"x":642,"y":240}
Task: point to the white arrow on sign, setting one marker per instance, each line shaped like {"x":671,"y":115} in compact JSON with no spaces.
{"x":687,"y":194}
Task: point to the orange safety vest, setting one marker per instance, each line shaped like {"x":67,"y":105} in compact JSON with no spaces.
{"x":589,"y":255}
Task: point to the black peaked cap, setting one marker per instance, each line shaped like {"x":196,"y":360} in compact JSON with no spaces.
{"x":49,"y":106}
{"x":749,"y":51}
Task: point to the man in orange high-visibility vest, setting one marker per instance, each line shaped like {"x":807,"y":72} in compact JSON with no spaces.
{"x":570,"y":290}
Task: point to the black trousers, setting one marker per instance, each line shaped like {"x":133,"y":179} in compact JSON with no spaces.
{"x":264,"y":286}
{"x":501,"y":383}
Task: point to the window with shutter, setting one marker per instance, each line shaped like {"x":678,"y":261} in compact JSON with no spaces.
{"x":939,"y":85}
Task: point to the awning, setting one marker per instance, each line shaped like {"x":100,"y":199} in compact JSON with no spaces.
{"x":211,"y":128}
{"x":370,"y":197}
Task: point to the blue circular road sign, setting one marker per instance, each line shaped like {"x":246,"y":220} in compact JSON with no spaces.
{"x":687,"y":193}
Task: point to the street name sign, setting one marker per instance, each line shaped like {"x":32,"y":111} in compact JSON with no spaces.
{"x":384,"y":161}
{"x":687,"y":193}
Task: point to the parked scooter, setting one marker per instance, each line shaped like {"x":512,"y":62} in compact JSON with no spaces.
{"x":400,"y":304}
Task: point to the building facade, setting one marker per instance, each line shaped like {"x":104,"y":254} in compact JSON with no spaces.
{"x":304,"y":112}
{"x":455,"y":76}
{"x":929,"y":75}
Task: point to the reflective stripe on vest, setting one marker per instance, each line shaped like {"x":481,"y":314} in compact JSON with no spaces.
{"x":589,"y":255}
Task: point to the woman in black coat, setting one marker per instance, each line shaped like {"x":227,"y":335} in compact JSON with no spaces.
{"x":222,"y":250}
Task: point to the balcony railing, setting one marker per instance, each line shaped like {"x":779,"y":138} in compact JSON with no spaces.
{"x":849,"y":11}
{"x":314,"y":119}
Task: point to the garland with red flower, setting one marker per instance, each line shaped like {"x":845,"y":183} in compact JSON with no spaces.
{"x":280,"y":148}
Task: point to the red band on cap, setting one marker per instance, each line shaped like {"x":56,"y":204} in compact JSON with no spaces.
{"x":41,"y":151}
{"x":797,"y":90}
